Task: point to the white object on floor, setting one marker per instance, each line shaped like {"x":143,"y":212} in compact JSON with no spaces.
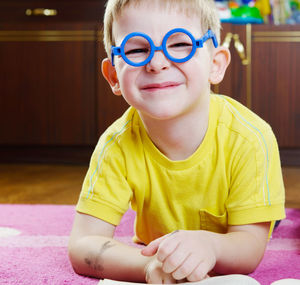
{"x":287,"y":281}
{"x":233,"y":279}
{"x":8,"y":232}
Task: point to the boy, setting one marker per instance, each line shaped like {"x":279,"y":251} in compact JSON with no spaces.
{"x":201,"y":171}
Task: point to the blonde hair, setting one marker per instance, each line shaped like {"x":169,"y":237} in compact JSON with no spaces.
{"x":206,"y":10}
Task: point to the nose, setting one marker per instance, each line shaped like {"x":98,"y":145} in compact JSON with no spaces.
{"x":158,"y":62}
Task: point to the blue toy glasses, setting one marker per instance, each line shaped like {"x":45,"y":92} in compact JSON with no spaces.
{"x":178,"y":45}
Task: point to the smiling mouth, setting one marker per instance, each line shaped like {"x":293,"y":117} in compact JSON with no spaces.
{"x":160,"y":86}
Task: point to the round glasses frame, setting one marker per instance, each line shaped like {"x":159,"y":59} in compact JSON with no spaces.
{"x":119,"y":51}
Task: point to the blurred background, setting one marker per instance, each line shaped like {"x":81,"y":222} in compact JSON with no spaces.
{"x":54,"y":103}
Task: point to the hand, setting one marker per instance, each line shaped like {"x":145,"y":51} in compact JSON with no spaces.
{"x":184,"y":254}
{"x":155,"y":274}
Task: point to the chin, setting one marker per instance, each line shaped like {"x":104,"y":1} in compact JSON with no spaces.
{"x":163,"y":115}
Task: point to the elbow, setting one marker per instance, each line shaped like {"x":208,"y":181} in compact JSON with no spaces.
{"x":253,"y":265}
{"x":246,"y":269}
{"x":238,"y":267}
{"x":234,"y":270}
{"x":76,"y":259}
{"x":236,"y":263}
{"x":73,"y":258}
{"x":253,"y":261}
{"x":82,"y":263}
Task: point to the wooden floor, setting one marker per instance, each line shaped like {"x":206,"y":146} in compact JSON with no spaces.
{"x":44,"y":184}
{"x":61,"y":184}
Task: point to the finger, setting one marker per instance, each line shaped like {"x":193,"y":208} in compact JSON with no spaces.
{"x":166,"y":248}
{"x":181,"y":281}
{"x":168,"y":279}
{"x":186,"y":267}
{"x":154,"y":279}
{"x":154,"y":273}
{"x":199,"y":273}
{"x":175,"y":259}
{"x":160,"y":278}
{"x":152,"y":247}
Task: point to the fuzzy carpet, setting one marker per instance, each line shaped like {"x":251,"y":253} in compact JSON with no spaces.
{"x":33,"y":246}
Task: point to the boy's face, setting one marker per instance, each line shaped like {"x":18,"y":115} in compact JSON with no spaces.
{"x":162,"y":89}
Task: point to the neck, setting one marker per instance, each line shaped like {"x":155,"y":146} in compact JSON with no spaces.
{"x":178,"y":138}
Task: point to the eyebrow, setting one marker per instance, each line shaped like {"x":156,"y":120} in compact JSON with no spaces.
{"x":137,"y":40}
{"x":180,"y":35}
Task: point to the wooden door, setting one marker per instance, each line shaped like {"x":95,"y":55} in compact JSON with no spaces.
{"x":264,"y":76}
{"x":275,"y":80}
{"x":50,"y":83}
{"x":47,"y":85}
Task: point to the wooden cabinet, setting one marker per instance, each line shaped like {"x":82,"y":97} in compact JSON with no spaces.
{"x":48,"y":88}
{"x":53,"y":100}
{"x":266,"y":79}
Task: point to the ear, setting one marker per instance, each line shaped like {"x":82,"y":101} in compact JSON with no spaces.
{"x":110,"y":74}
{"x":220,"y":61}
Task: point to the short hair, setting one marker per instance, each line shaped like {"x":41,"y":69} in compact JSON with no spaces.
{"x":206,"y":9}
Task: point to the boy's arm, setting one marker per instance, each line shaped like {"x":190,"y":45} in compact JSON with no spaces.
{"x":242,"y":248}
{"x":94,"y":252}
{"x":193,"y":254}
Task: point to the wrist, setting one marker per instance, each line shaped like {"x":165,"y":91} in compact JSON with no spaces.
{"x":215,"y":243}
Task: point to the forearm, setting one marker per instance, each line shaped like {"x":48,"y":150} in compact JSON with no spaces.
{"x":104,"y":257}
{"x":237,"y":252}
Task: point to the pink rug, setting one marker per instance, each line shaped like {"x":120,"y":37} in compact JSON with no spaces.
{"x":33,"y":246}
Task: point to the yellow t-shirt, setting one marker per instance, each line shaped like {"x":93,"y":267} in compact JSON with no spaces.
{"x":233,"y":178}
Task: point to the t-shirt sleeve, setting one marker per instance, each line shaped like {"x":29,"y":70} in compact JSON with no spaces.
{"x":256,"y":192}
{"x":105,"y":192}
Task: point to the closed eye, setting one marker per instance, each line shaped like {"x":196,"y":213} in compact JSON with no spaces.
{"x":136,"y":51}
{"x":178,"y":45}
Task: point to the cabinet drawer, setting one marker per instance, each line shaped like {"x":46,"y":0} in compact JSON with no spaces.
{"x":51,"y":11}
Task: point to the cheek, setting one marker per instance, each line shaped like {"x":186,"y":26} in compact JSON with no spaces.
{"x":122,"y":75}
{"x":203,"y":58}
{"x":126,"y":83}
{"x":196,"y":73}
{"x":201,"y":68}
{"x":127,"y":79}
